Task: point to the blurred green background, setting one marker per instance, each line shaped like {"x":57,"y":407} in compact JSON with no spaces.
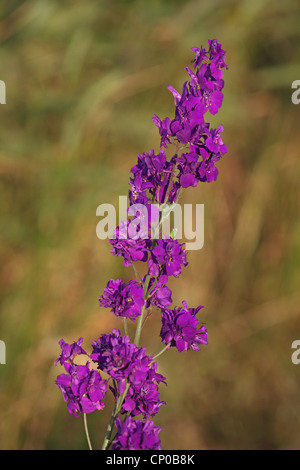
{"x":83,"y":80}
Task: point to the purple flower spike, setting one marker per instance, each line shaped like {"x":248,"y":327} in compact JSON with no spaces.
{"x":157,"y":180}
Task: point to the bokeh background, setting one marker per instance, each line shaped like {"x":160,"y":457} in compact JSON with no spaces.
{"x":83,"y":80}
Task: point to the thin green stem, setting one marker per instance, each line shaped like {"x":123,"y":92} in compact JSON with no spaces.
{"x":137,"y":274}
{"x":112,"y":438}
{"x":152,"y":290}
{"x":162,"y":351}
{"x":179,"y":194}
{"x":140,"y":320}
{"x":170,"y":182}
{"x":148,"y":313}
{"x":121,"y":399}
{"x":139,"y":327}
{"x":87,"y":431}
{"x":125,"y":327}
{"x":110,"y":427}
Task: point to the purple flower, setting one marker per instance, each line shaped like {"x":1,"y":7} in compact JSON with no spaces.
{"x":136,"y":435}
{"x":166,"y":186}
{"x":143,"y":396}
{"x":152,"y":172}
{"x":200,"y":55}
{"x":177,"y":96}
{"x":124,"y":299}
{"x":69,"y":351}
{"x":164,"y":129}
{"x":121,"y":359}
{"x":115,"y":355}
{"x":82,"y":388}
{"x":211,"y":149}
{"x":138,"y":192}
{"x":188,"y":164}
{"x":208,"y":172}
{"x":205,"y":90}
{"x":217,"y":54}
{"x":188,"y":116}
{"x":133,"y":247}
{"x":167,"y":258}
{"x":180,"y":327}
{"x":211,"y":97}
{"x":150,"y":168}
{"x":159,"y":295}
{"x":126,"y":363}
{"x":214,"y":143}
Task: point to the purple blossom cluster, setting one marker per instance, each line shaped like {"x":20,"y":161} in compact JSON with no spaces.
{"x":124,"y":300}
{"x":143,"y":395}
{"x":131,"y":374}
{"x":118,"y":357}
{"x":133,"y":247}
{"x":181,"y":329}
{"x":198,"y":147}
{"x":166,"y":259}
{"x":159,"y":295}
{"x":150,"y":178}
{"x":201,"y":93}
{"x":129,"y":365}
{"x":136,"y":435}
{"x":82,"y":388}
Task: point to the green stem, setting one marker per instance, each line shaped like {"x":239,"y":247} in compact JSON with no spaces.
{"x":153,"y":285}
{"x":147,"y":315}
{"x":87,"y":431}
{"x":140,"y":320}
{"x":162,"y":351}
{"x":139,"y":327}
{"x":110,"y":427}
{"x":137,"y":274}
{"x":170,"y":181}
{"x":121,"y":399}
{"x":125,"y":327}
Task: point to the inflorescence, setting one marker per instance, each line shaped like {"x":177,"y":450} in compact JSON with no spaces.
{"x":132,"y":374}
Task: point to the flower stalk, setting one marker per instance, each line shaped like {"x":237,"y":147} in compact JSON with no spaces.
{"x":155,"y":182}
